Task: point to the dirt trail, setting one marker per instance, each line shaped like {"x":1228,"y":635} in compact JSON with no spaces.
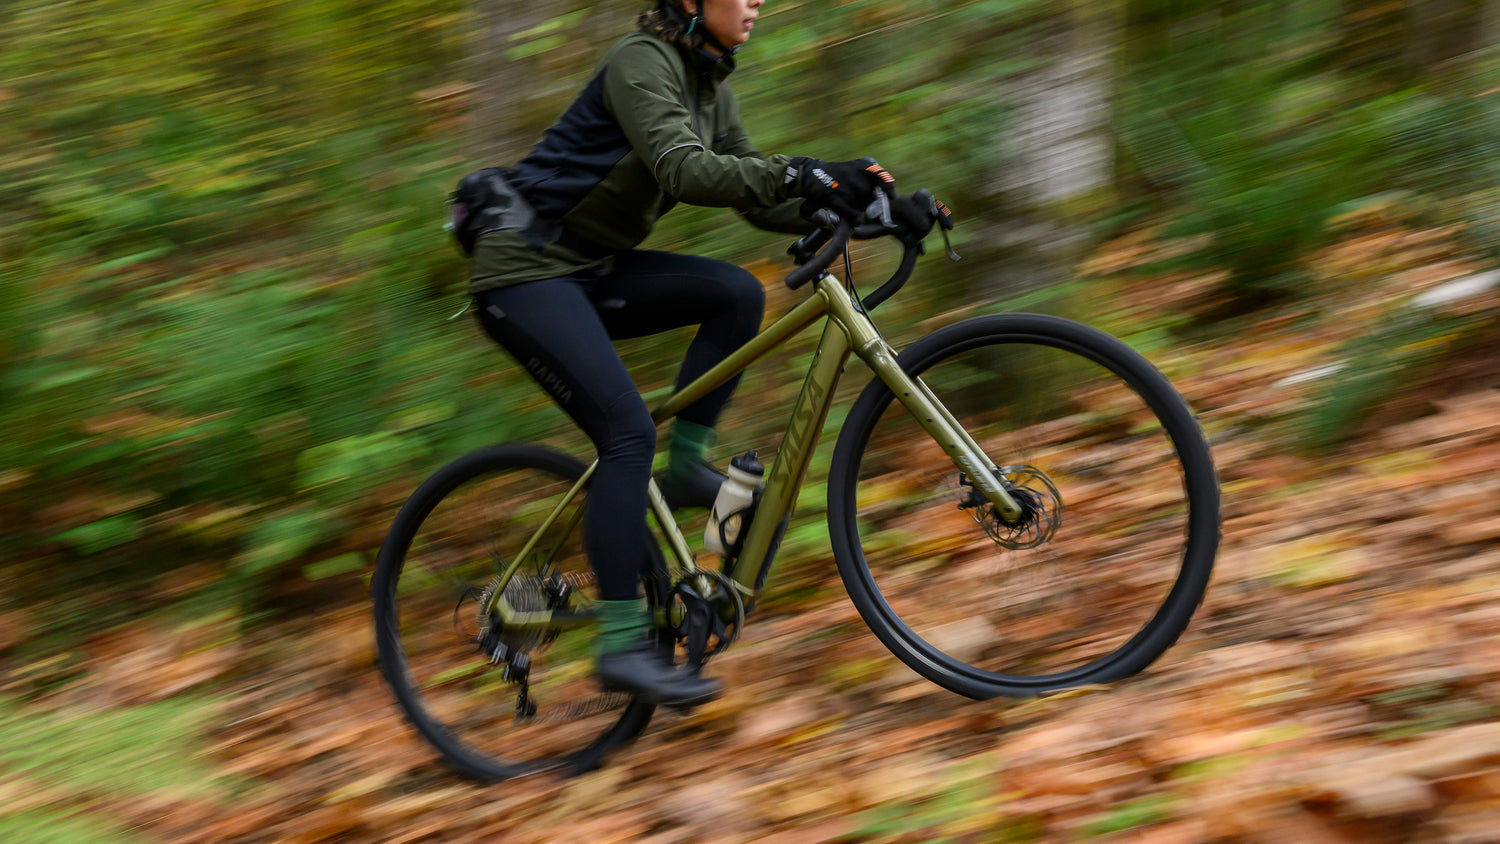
{"x":1340,"y":684}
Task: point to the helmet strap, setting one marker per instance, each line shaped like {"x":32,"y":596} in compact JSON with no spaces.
{"x":674,"y":10}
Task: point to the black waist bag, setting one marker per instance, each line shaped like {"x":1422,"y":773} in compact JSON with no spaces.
{"x":484,"y":202}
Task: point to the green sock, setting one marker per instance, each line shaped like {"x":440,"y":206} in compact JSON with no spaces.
{"x":621,"y":625}
{"x":689,"y":442}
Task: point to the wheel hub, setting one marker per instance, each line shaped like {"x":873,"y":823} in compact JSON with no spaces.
{"x":1041,"y":508}
{"x":524,"y":593}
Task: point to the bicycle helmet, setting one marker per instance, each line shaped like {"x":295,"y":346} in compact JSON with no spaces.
{"x":692,"y":23}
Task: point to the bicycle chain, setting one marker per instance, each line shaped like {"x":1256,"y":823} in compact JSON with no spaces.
{"x":525,"y":592}
{"x":576,"y":579}
{"x":586,"y":708}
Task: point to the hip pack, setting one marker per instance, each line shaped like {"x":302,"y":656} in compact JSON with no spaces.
{"x":484,"y":202}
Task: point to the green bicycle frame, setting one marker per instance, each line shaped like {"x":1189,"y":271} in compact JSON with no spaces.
{"x":848,"y":331}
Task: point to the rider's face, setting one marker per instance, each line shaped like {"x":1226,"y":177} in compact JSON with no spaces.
{"x":730,"y":21}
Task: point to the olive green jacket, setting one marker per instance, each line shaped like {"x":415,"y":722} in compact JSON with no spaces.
{"x":657,"y":124}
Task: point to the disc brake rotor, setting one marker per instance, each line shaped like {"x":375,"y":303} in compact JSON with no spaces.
{"x":1041,"y":508}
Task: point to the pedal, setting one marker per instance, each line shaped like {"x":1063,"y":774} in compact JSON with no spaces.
{"x":699,"y":623}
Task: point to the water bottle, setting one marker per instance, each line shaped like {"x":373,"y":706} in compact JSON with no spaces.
{"x":734,"y":506}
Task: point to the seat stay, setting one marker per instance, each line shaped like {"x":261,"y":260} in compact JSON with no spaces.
{"x":544,"y":619}
{"x":669,"y":528}
{"x":496,"y":603}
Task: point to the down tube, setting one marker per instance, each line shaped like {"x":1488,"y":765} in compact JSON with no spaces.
{"x":792,"y":459}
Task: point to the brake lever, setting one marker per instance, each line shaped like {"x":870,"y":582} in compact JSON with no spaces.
{"x":944,"y":216}
{"x":952,"y":256}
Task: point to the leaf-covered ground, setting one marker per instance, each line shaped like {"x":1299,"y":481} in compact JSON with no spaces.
{"x":1340,"y":684}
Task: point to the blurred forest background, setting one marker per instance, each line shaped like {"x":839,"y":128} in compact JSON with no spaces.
{"x":226,"y":356}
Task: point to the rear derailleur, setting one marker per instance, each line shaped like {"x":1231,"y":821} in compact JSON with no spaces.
{"x":511,"y":651}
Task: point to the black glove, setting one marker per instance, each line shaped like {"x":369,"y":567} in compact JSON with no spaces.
{"x":848,"y":188}
{"x":915,"y":215}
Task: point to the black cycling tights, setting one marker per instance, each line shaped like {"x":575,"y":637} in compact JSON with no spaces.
{"x":560,"y":330}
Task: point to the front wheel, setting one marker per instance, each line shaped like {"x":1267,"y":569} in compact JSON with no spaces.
{"x":1122,"y":508}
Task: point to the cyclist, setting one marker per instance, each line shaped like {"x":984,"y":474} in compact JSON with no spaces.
{"x":656,"y":124}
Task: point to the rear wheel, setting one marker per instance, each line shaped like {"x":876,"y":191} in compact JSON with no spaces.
{"x":1114,"y":555}
{"x":445,"y":552}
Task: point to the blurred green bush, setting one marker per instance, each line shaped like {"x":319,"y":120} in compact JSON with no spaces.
{"x":1249,"y":127}
{"x":224,"y":290}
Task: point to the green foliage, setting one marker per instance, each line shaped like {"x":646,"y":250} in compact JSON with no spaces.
{"x":103,"y":534}
{"x":103,"y":753}
{"x":1250,"y":136}
{"x":1414,"y":710}
{"x":284,"y":537}
{"x":966,"y":802}
{"x":1402,"y":350}
{"x":49,"y":826}
{"x":1146,"y":811}
{"x":224,"y":290}
{"x":335,"y":566}
{"x":126,"y":752}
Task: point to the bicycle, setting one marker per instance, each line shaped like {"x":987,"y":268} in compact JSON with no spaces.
{"x":949,"y":480}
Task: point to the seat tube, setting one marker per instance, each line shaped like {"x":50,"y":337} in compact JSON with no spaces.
{"x":792,"y":459}
{"x":669,"y":528}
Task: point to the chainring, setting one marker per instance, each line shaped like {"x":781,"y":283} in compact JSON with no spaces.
{"x":710,"y":622}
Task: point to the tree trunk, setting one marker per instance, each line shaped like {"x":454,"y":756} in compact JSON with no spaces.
{"x":501,"y":83}
{"x":1447,"y":30}
{"x":1491,"y":39}
{"x":1059,"y":156}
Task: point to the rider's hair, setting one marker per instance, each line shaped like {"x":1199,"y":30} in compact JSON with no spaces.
{"x":670,"y":25}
